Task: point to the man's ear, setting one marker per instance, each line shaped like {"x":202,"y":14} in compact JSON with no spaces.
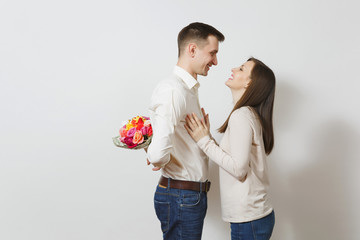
{"x":192,"y":49}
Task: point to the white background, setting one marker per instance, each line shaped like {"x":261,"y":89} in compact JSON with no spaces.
{"x":72,"y":71}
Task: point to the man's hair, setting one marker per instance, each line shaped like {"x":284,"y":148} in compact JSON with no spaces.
{"x":197,"y":32}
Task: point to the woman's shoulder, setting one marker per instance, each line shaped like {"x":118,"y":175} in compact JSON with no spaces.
{"x":244,"y":112}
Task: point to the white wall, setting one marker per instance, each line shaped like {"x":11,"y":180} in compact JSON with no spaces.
{"x":72,"y":71}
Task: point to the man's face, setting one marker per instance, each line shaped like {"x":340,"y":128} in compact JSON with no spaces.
{"x":205,"y":56}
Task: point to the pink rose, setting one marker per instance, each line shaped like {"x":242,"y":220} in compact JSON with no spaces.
{"x":131,"y":132}
{"x":144,"y":131}
{"x":123,"y":132}
{"x":138,"y":137}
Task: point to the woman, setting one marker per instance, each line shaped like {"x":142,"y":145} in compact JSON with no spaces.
{"x":248,"y":138}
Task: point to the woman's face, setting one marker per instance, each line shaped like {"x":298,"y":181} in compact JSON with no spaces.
{"x":240,"y":77}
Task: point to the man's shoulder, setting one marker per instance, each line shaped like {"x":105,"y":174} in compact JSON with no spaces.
{"x":171,"y":82}
{"x":169,"y":89}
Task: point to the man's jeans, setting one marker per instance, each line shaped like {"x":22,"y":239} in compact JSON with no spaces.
{"x":181,"y":212}
{"x":260,"y":229}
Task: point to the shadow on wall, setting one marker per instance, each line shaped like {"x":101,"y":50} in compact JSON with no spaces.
{"x":314,"y":202}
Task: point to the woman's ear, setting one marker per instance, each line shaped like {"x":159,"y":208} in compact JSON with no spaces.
{"x":247,"y":83}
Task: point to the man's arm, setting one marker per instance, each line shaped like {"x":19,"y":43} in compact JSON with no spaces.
{"x":165,"y":113}
{"x":148,"y":163}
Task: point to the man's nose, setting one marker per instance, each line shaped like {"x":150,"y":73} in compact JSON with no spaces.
{"x":215,"y":62}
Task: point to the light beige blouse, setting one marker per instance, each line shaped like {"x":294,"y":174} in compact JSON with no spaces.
{"x":243,"y":169}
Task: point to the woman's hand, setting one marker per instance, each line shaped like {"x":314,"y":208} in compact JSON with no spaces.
{"x":197,"y":128}
{"x":206,"y":118}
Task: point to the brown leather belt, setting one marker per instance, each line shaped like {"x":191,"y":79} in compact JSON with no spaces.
{"x":186,"y":185}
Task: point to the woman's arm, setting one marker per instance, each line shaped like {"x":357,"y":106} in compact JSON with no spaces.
{"x":240,"y":135}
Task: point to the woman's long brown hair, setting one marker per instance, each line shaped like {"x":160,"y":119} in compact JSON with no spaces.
{"x":259,"y":96}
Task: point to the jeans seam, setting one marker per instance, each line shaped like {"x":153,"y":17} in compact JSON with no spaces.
{"x":166,"y":228}
{"x":192,"y":205}
{"x":168,"y":218}
{"x":167,"y":194}
{"x":253,"y":231}
{"x":180,"y":221}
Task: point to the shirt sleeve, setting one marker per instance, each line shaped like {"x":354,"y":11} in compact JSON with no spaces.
{"x":165,"y":113}
{"x":237,"y":160}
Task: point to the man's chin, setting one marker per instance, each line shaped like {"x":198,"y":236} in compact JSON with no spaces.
{"x":204,"y":73}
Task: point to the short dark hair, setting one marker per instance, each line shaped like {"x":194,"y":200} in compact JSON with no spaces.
{"x":198,"y":32}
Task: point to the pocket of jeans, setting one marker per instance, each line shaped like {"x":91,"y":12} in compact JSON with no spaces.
{"x":162,"y":210}
{"x":190,"y":200}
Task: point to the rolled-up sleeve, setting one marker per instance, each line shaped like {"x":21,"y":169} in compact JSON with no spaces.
{"x":237,"y":160}
{"x":166,"y":109}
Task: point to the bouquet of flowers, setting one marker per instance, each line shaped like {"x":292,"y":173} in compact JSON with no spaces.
{"x":135,"y":134}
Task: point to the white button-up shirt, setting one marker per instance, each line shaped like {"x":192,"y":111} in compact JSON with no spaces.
{"x":172,"y":148}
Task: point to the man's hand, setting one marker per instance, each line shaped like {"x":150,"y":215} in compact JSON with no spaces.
{"x":148,"y":163}
{"x":154,"y":168}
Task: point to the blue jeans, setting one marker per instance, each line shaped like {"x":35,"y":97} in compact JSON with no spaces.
{"x":181,"y":212}
{"x":260,"y":229}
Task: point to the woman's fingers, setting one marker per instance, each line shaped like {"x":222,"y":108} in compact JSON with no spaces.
{"x":190,"y":132}
{"x":193,"y":121}
{"x":203,"y":112}
{"x":206,"y":117}
{"x":197,"y":120}
{"x":188,"y":129}
{"x":207,"y":121}
{"x":196,"y":127}
{"x":189,"y":122}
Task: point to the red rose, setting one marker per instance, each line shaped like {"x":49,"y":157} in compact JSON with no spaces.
{"x":150,"y":131}
{"x":129,"y":142}
{"x":140,"y":124}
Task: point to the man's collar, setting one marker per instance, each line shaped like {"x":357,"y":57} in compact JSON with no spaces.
{"x":189,"y":80}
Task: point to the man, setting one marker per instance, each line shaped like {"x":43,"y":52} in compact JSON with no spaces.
{"x":181,"y":197}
